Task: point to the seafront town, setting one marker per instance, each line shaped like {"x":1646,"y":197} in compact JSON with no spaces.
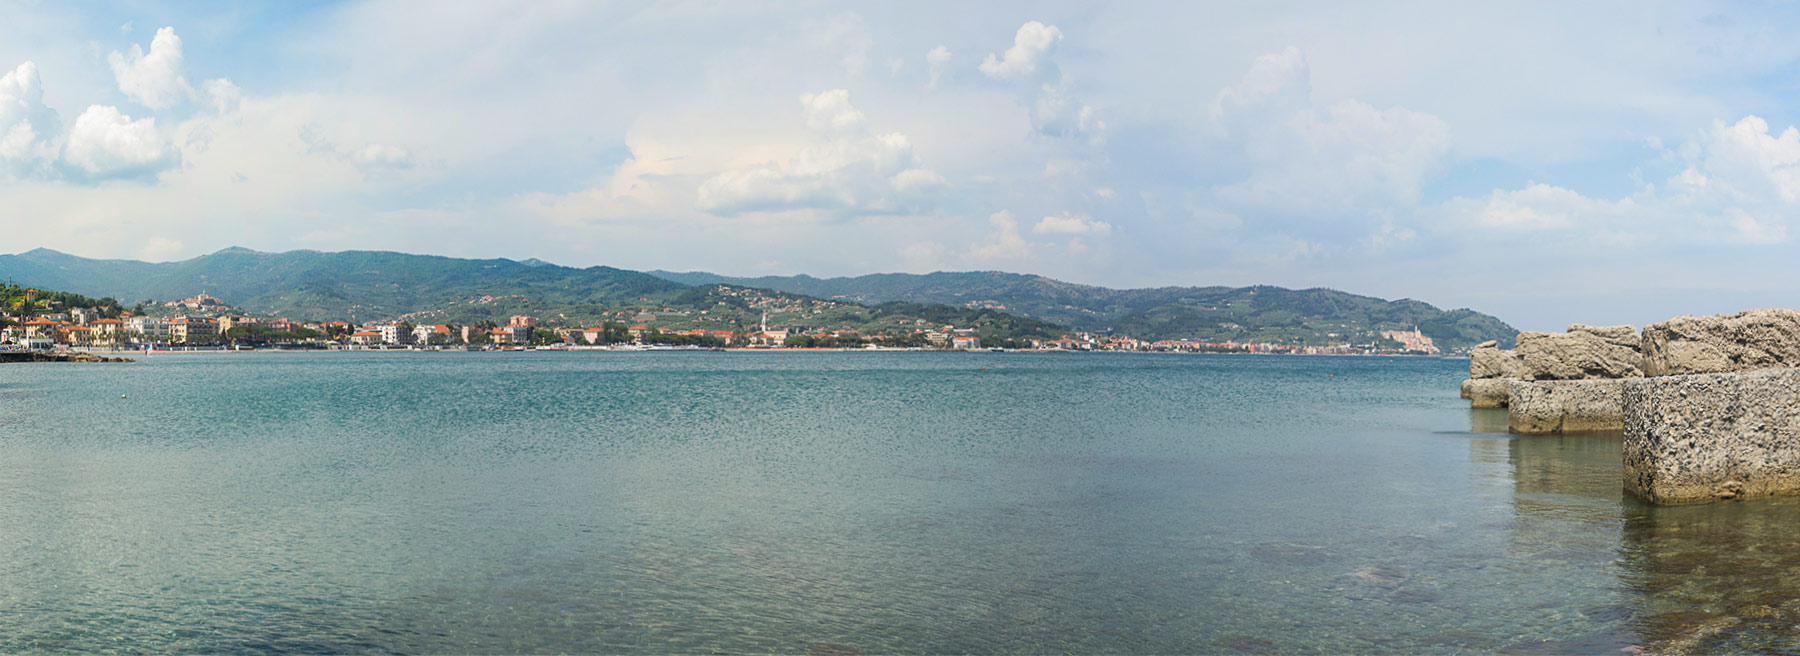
{"x":203,"y":322}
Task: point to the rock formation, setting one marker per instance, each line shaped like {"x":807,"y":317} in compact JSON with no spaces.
{"x":1582,"y":353}
{"x":1706,"y":437}
{"x":1486,"y":360}
{"x":1564,"y":406}
{"x":1489,"y":369}
{"x":1486,"y":392}
{"x":1746,"y":341}
{"x":1544,"y":380}
{"x":1719,"y":415}
{"x":41,"y":356}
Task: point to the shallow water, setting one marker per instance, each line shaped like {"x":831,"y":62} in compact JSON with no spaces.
{"x":841,"y":503}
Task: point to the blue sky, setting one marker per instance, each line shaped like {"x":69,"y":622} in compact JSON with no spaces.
{"x":1547,"y":163}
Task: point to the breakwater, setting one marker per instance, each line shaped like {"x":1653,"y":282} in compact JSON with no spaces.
{"x":43,"y":356}
{"x":1709,"y":406}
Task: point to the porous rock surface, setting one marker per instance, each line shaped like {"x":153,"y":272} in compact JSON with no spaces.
{"x":1746,"y":341}
{"x":1485,"y":392}
{"x":1705,"y":437}
{"x":1486,"y":360}
{"x":1564,"y":406}
{"x":1583,"y":353}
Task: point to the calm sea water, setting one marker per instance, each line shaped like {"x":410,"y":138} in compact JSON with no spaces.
{"x":841,"y":503}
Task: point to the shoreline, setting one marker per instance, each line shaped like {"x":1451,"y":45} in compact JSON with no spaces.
{"x":51,"y":356}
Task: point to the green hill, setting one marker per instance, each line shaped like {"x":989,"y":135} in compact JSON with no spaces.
{"x":355,"y":285}
{"x":1261,"y":314}
{"x":376,"y":285}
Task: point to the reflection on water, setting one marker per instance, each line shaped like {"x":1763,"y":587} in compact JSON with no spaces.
{"x":1716,"y":578}
{"x":1488,"y":420}
{"x":843,"y":503}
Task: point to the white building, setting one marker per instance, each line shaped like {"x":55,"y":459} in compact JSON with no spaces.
{"x":146,"y":329}
{"x":394,"y":333}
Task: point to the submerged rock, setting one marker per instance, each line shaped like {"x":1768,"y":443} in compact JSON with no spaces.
{"x":1746,"y":341}
{"x":1583,"y":353}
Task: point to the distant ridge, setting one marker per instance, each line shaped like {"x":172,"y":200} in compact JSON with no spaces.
{"x":1207,"y":313}
{"x":353,"y":284}
{"x":371,"y":285}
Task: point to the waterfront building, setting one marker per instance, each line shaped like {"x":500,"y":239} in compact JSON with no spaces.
{"x":147,"y":329}
{"x":365,"y":337}
{"x":42,"y":327}
{"x":433,"y":334}
{"x":107,"y":331}
{"x":965,"y":342}
{"x":395,"y":333}
{"x":193,"y":329}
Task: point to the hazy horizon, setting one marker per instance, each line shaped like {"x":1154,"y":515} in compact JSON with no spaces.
{"x":1604,"y":163}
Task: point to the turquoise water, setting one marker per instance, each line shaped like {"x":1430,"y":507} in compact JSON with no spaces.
{"x":841,"y":503}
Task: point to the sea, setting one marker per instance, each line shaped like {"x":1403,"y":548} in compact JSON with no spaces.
{"x":842,"y":503}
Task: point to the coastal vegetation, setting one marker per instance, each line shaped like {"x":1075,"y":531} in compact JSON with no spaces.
{"x":1309,"y":317}
{"x":999,"y":308}
{"x":360,"y":286}
{"x":19,"y":300}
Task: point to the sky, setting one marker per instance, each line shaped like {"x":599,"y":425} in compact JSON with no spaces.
{"x":1549,"y":163}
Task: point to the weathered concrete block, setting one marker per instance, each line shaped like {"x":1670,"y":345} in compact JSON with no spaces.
{"x":1486,"y":360}
{"x":1746,"y":341}
{"x":1581,"y":354}
{"x":1705,"y":437}
{"x":1485,"y":392}
{"x":1564,"y":406}
{"x":1625,"y":336}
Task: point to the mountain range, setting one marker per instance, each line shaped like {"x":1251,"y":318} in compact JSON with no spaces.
{"x":375,"y":285}
{"x":1259,"y":313}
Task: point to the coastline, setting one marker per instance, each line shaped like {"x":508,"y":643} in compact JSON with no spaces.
{"x":113,"y":354}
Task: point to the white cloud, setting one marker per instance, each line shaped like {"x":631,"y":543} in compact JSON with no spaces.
{"x":845,"y":168}
{"x":1056,"y":112}
{"x":1030,"y":45}
{"x":381,"y":156}
{"x":937,"y":60}
{"x":160,"y":249}
{"x":106,"y":142}
{"x":27,"y":127}
{"x":1347,"y":157}
{"x":1752,"y":230}
{"x":1004,"y":242}
{"x":1536,"y":207}
{"x":1068,"y":224}
{"x":1047,"y":94}
{"x":223,"y":95}
{"x":1743,"y":162}
{"x":831,"y":111}
{"x":1738,"y":183}
{"x":154,"y":80}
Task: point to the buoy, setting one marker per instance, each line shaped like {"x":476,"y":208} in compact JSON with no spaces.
{"x":121,"y":396}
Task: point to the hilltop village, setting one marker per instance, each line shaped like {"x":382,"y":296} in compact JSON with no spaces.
{"x":206,"y":322}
